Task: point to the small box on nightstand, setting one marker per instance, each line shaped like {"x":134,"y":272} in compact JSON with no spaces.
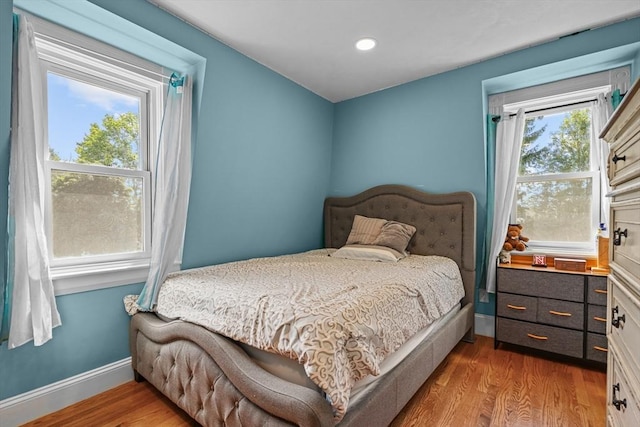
{"x":570,"y":264}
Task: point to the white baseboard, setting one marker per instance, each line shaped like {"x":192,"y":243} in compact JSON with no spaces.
{"x":53,"y":397}
{"x":485,"y":325}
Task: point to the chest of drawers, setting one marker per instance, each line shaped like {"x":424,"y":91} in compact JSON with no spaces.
{"x":557,"y":312}
{"x":622,"y":132}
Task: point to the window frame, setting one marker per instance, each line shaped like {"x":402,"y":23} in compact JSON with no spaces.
{"x":70,"y":54}
{"x":593,"y":173}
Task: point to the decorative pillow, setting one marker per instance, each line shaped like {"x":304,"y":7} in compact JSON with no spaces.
{"x":395,"y":235}
{"x":364,"y":230}
{"x":368,"y":253}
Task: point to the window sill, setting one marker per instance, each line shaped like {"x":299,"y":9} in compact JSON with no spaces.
{"x":74,"y":279}
{"x":559,"y":253}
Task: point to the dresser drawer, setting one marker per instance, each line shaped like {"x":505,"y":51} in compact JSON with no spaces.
{"x":519,"y":307}
{"x":541,"y":337}
{"x":626,"y":219}
{"x":628,"y":154}
{"x":597,"y":319}
{"x":597,"y":347}
{"x":561,"y":313}
{"x":563,"y":286}
{"x":628,"y":412}
{"x":626,"y":336}
{"x":597,"y":290}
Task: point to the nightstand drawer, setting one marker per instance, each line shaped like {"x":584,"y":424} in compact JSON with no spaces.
{"x":597,"y":319}
{"x":541,"y":337}
{"x":597,"y":347}
{"x":517,"y":306}
{"x":561,"y":313}
{"x":597,"y":290}
{"x":563,"y":286}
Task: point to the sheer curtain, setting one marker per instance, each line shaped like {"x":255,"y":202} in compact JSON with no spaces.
{"x":33,"y":312}
{"x":601,"y":112}
{"x":171,"y":190}
{"x":509,"y":135}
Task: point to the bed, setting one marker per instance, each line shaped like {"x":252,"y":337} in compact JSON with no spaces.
{"x":217,"y":381}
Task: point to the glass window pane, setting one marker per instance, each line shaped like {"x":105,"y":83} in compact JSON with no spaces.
{"x":93,"y":125}
{"x":557,"y":143}
{"x":558,"y":211}
{"x":96,"y":214}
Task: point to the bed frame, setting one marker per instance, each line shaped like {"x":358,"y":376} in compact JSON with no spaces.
{"x":215,"y":382}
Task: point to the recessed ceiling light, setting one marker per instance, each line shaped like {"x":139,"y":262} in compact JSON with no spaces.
{"x":365,"y":44}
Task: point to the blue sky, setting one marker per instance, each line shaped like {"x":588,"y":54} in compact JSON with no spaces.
{"x":553,"y":122}
{"x":74,"y":105}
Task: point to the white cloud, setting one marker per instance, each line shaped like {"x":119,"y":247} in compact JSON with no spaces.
{"x":106,"y":99}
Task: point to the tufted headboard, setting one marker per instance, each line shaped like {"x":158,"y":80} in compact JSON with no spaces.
{"x":445,"y":223}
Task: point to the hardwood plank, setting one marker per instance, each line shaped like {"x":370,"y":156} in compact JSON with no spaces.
{"x":474,"y":386}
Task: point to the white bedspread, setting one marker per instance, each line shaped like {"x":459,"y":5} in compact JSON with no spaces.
{"x":339,"y":318}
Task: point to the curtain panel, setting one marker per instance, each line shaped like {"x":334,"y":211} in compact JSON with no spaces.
{"x":171,"y":189}
{"x":602,"y":110}
{"x":509,"y":133}
{"x":30,"y":301}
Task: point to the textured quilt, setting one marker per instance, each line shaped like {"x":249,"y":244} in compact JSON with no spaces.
{"x":339,"y":318}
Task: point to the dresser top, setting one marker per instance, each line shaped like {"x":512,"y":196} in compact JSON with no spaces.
{"x":551,"y":269}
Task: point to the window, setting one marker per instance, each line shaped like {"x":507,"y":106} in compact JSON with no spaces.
{"x":557,"y":190}
{"x":104,"y":108}
{"x":560,"y":188}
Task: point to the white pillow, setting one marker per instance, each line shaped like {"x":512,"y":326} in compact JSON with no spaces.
{"x":368,"y":253}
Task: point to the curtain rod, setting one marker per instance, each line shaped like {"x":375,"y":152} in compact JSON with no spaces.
{"x":497,"y":118}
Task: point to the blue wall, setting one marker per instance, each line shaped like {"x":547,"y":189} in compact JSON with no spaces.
{"x":267,"y":152}
{"x":261,"y":172}
{"x":430,"y":133}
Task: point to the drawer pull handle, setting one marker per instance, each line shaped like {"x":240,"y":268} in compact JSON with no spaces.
{"x":600,"y":291}
{"x":617,"y":158}
{"x":560,"y":313}
{"x":597,"y":347}
{"x":617,"y":402}
{"x":617,"y":236}
{"x":599,"y":319}
{"x":516,"y":307}
{"x":615,"y":318}
{"x":537,"y":337}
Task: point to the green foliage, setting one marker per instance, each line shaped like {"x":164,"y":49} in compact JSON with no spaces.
{"x":53,"y":155}
{"x":532,"y":157}
{"x":114,"y":144}
{"x":569,"y":150}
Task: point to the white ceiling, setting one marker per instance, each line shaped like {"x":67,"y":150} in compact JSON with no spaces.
{"x":312,"y":41}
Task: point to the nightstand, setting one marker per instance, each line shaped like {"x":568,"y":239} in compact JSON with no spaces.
{"x":551,"y":310}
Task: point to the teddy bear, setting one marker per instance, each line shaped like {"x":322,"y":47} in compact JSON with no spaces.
{"x":514,"y":239}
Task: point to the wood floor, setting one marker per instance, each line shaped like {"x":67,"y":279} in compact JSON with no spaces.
{"x":475,"y":386}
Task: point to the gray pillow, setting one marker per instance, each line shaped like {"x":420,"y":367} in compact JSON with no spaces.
{"x":364,"y":230}
{"x":395,"y":235}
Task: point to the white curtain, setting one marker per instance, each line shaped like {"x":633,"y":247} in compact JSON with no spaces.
{"x":33,"y":305}
{"x":508,"y":144}
{"x":171,"y":192}
{"x":601,"y":112}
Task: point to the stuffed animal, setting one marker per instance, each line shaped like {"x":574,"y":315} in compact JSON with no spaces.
{"x":514,"y":239}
